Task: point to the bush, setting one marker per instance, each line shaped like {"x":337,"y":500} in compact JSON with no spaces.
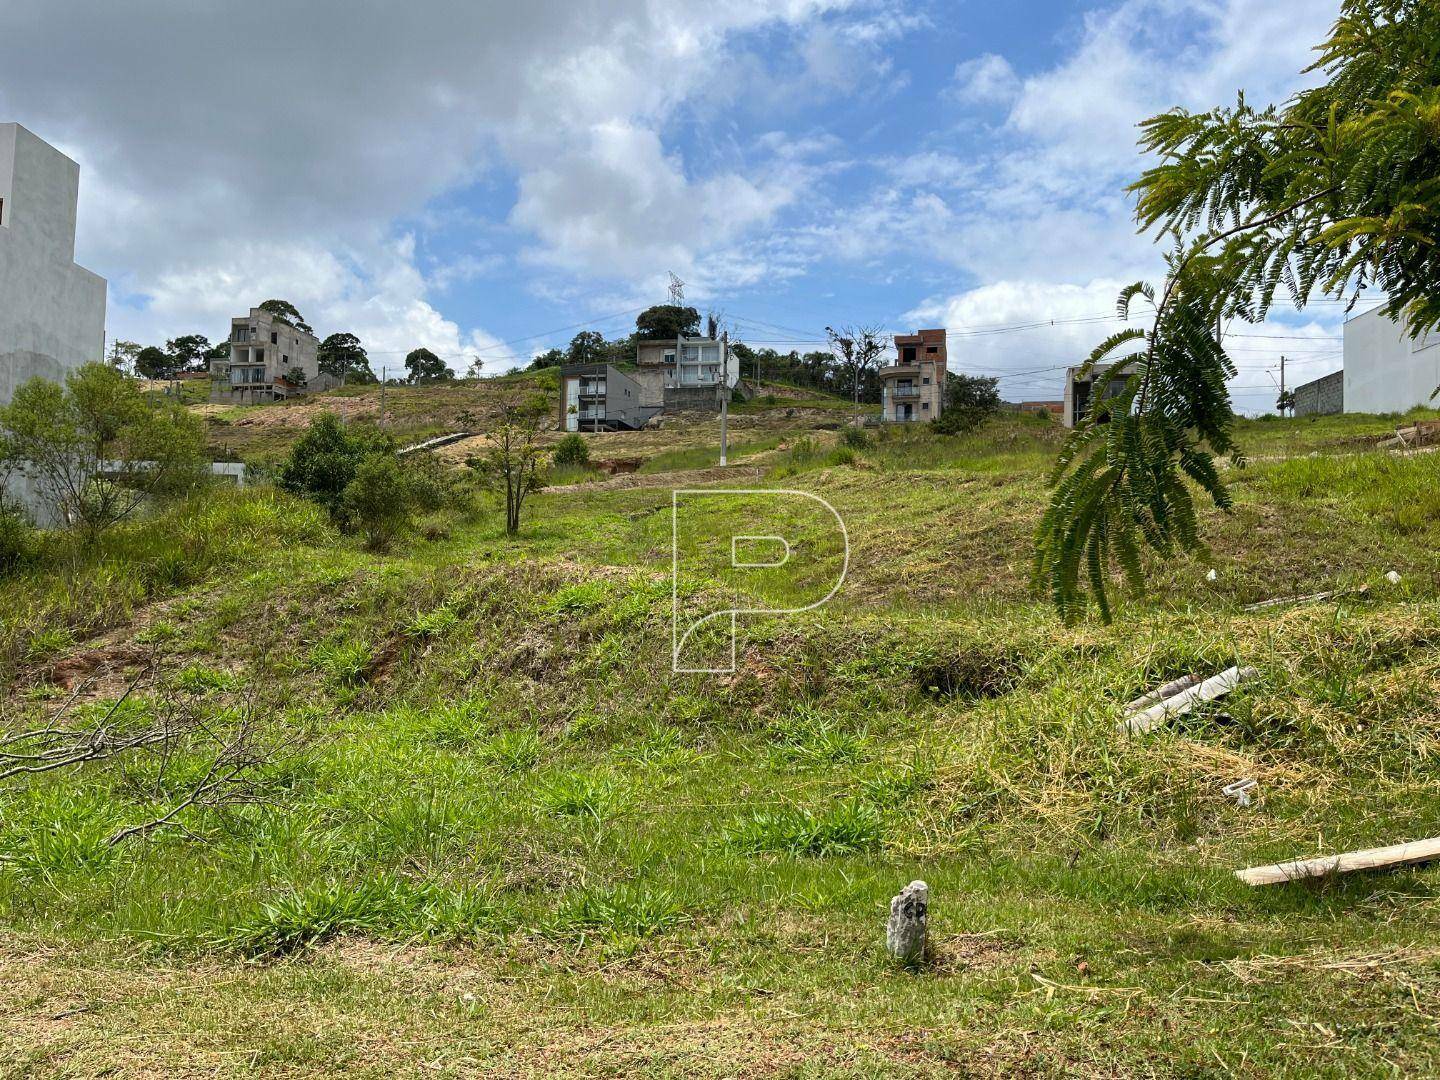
{"x":970,"y":400}
{"x":572,"y":450}
{"x":855,"y":438}
{"x":17,"y":539}
{"x":362,"y":483}
{"x":379,"y":500}
{"x":324,"y":462}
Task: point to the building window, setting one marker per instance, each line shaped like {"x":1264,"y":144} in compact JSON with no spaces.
{"x":925,"y":381}
{"x":925,"y":405}
{"x":259,"y":356}
{"x":274,"y":338}
{"x":908,"y":354}
{"x":932,"y":348}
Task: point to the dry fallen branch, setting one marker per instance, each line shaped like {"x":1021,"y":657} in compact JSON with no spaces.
{"x":228,"y":740}
{"x":57,"y":747}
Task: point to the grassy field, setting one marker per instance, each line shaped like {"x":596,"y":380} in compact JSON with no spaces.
{"x":491,"y":832}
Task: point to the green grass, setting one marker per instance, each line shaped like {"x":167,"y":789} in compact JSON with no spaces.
{"x":497,"y":828}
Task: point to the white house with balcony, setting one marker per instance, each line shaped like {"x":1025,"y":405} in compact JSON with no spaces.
{"x":683,"y":374}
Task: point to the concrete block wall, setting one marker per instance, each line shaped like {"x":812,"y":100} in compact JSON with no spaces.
{"x":1324,"y":396}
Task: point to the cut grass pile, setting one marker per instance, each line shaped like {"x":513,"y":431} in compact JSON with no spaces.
{"x":501,"y":834}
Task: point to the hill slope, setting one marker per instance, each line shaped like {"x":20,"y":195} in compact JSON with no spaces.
{"x":495,"y":832}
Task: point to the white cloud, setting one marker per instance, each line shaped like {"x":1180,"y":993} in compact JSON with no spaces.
{"x":1077,"y":317}
{"x":985,"y":80}
{"x":225,"y":158}
{"x":1044,"y":219}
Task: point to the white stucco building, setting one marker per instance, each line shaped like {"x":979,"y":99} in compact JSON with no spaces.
{"x":52,"y":312}
{"x":1385,"y":369}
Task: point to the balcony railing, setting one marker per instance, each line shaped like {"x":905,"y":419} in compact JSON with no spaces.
{"x":905,"y":393}
{"x":591,"y":414}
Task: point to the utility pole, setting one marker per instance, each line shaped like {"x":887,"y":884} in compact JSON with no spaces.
{"x":1282,"y":376}
{"x":724,"y":396}
{"x":384,"y":372}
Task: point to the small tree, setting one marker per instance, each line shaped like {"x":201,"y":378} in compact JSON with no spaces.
{"x":378,"y":500}
{"x":571,"y":450}
{"x":666,"y":321}
{"x":123,"y":354}
{"x":286,"y":312}
{"x":511,"y":463}
{"x":1286,"y":401}
{"x":324,"y":461}
{"x":97,"y":447}
{"x":425,"y":367}
{"x":343,"y":357}
{"x":970,"y":400}
{"x":296,"y":377}
{"x":153,"y":363}
{"x":189,"y":353}
{"x":858,"y":350}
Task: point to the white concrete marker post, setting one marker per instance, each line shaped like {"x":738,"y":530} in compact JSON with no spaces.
{"x":909,"y":925}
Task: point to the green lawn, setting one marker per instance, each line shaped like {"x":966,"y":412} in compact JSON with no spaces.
{"x":495,"y":833}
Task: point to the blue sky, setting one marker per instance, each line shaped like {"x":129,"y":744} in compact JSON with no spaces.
{"x":474,"y":177}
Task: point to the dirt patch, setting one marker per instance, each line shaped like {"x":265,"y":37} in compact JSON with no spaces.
{"x":971,"y":675}
{"x":972,"y":952}
{"x":104,"y":667}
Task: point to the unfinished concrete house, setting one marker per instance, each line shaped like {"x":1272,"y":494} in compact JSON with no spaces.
{"x":684,"y":374}
{"x":270,"y":360}
{"x":1080,"y":390}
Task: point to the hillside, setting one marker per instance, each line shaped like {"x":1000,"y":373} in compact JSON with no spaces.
{"x":496,"y":834}
{"x":414,"y":413}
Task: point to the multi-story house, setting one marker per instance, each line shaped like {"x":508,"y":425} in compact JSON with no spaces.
{"x":682,"y":374}
{"x":913,"y":388}
{"x":601,"y":397}
{"x":270,"y":360}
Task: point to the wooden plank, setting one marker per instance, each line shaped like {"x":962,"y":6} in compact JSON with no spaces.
{"x":1214,"y":687}
{"x":1370,"y":859}
{"x":1313,"y":598}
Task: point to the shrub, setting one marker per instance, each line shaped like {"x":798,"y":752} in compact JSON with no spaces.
{"x":572,"y":450}
{"x":324,"y":462}
{"x":970,"y":400}
{"x":379,"y":500}
{"x":17,"y":539}
{"x":855,"y":438}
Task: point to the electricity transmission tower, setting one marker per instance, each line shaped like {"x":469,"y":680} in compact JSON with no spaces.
{"x":677,"y":290}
